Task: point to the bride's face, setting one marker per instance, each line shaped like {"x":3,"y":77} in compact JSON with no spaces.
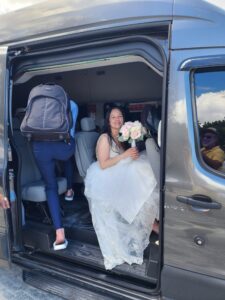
{"x":116,"y":119}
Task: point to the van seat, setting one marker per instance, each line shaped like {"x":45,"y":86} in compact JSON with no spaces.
{"x":153,"y":152}
{"x":33,"y":187}
{"x":85,"y":142}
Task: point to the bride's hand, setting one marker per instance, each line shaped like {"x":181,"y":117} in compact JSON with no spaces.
{"x":131,"y":152}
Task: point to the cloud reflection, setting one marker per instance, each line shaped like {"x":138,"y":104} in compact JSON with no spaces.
{"x":211,"y":107}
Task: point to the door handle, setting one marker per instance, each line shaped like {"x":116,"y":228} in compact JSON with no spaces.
{"x":199,"y":201}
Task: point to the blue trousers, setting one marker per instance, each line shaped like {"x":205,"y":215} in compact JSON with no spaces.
{"x":46,"y":154}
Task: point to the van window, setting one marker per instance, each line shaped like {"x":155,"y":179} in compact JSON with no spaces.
{"x":210,"y":110}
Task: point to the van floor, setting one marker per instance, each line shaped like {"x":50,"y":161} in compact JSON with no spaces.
{"x":83,"y":244}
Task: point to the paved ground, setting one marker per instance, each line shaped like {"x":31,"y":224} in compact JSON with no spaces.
{"x":12,"y":287}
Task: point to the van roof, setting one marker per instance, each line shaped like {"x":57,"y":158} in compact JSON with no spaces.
{"x":195,"y":23}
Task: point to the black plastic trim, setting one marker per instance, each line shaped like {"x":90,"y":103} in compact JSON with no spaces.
{"x":37,"y":43}
{"x":132,"y":45}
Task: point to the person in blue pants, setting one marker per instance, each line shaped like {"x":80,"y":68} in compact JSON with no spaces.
{"x":46,"y":154}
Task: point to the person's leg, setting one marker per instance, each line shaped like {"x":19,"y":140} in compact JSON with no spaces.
{"x":155,"y":227}
{"x":68,"y":168}
{"x":47,"y":169}
{"x":46,"y":165}
{"x":65,"y":152}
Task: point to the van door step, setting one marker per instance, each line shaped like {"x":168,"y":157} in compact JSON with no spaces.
{"x":60,"y":288}
{"x":39,"y":238}
{"x":91,"y":255}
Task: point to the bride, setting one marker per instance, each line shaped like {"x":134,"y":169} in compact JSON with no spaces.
{"x":120,"y":188}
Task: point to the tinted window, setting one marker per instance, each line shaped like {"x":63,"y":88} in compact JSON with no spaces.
{"x":210,"y":107}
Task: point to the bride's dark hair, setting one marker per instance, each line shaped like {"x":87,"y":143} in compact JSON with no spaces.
{"x":107,"y":128}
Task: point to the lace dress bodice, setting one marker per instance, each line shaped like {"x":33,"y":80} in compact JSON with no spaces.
{"x":115,"y":150}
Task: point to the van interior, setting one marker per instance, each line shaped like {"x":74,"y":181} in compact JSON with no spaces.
{"x":128,"y":81}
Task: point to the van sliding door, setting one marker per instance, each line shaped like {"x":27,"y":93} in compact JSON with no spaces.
{"x":194,"y":222}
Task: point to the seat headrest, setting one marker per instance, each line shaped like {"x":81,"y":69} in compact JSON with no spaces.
{"x":87,"y":124}
{"x":159,"y":134}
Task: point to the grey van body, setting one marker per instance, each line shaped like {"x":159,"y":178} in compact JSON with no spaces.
{"x":188,"y":36}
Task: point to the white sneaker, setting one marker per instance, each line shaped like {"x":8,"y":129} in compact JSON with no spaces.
{"x":60,"y":246}
{"x":69,"y":198}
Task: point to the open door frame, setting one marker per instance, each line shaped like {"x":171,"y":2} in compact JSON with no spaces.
{"x":5,"y":257}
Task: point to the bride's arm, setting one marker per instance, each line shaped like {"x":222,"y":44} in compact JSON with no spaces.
{"x":103,"y":153}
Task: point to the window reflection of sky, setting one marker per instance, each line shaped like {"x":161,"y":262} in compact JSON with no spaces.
{"x":210,"y":96}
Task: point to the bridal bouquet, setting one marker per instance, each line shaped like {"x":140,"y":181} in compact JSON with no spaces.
{"x":132,"y":132}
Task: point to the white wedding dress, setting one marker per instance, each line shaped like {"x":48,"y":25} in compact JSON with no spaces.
{"x":123,"y":201}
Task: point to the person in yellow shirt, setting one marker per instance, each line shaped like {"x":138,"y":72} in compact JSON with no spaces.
{"x":212,"y":154}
